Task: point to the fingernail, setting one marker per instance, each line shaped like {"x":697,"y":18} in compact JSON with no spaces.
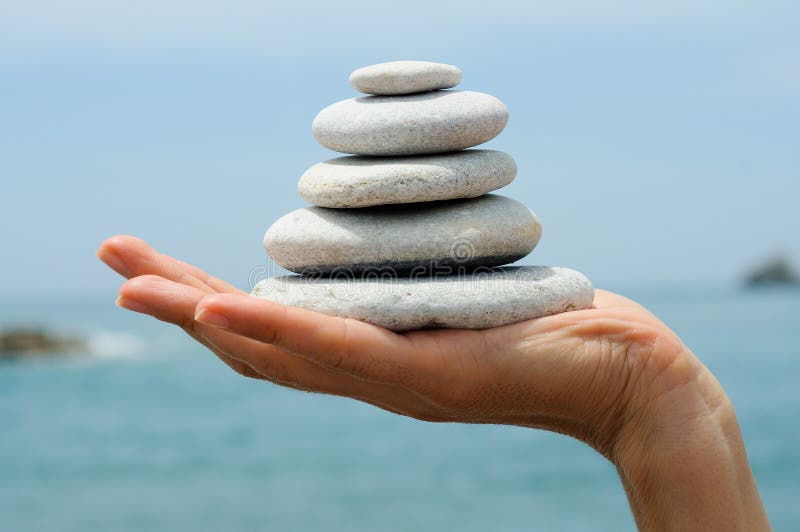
{"x":116,"y":263}
{"x":214,"y":319}
{"x":131,"y":304}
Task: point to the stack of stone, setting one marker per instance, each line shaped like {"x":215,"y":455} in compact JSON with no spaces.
{"x":404,"y":233}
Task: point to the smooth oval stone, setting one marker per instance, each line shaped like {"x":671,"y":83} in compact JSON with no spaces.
{"x":405,"y":77}
{"x":483,"y":299}
{"x":450,"y":235}
{"x":358,"y":181}
{"x":431,"y":122}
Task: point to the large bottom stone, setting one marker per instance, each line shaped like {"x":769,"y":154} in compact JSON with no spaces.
{"x":479,"y":300}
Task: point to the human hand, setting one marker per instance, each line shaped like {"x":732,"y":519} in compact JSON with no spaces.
{"x":613,"y":376}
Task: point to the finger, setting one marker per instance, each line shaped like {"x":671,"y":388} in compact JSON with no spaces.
{"x":131,"y":257}
{"x":287,"y":369}
{"x":161,"y":298}
{"x":345,"y":345}
{"x":175,"y":303}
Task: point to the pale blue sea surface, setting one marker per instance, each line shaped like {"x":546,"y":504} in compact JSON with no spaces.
{"x":153,"y":433}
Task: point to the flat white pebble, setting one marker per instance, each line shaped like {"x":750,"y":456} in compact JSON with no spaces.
{"x":487,"y":231}
{"x":358,"y":181}
{"x":405,"y":77}
{"x":485,"y":299}
{"x":430,"y":122}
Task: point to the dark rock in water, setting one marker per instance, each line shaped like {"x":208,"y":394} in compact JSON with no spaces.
{"x":33,"y":341}
{"x":776,"y":271}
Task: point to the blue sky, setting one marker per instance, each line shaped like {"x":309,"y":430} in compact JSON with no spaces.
{"x":658,"y":142}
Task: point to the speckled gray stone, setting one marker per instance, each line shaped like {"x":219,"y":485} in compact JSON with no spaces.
{"x":484,"y":299}
{"x":490,"y":230}
{"x":358,"y":181}
{"x":430,"y":122}
{"x":405,"y":77}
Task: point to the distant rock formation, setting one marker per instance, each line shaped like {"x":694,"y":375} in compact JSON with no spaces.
{"x":775,"y":271}
{"x":33,"y":341}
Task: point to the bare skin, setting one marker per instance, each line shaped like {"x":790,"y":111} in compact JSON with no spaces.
{"x":613,"y":376}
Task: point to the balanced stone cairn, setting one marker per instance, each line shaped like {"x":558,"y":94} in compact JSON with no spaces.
{"x":404,"y":233}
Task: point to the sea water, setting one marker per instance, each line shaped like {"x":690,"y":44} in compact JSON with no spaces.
{"x":152,"y":432}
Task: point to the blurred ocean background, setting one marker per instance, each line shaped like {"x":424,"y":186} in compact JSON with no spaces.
{"x":658,"y":143}
{"x":152,"y":432}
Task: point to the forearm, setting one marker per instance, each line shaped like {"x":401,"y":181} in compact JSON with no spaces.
{"x":684,"y":465}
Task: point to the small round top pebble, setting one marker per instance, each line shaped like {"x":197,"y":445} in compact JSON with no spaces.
{"x":404,"y":77}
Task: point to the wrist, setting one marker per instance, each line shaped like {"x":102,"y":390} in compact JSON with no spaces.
{"x":681,"y":456}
